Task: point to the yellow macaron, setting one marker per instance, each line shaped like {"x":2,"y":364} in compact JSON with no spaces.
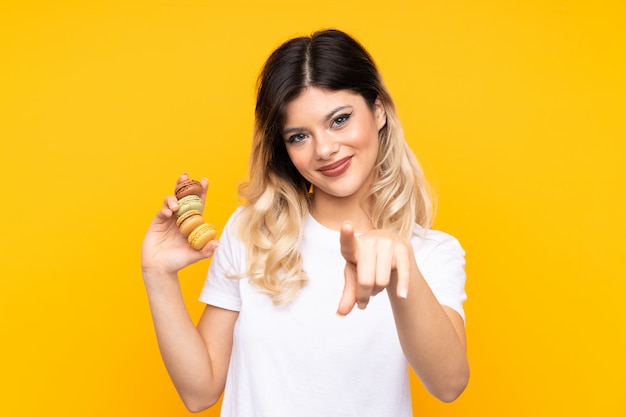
{"x":202,"y":235}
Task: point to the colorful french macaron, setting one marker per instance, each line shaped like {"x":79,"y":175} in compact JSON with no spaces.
{"x":188,"y":187}
{"x":189,"y":214}
{"x":188,"y":203}
{"x":202,"y":235}
{"x":189,"y":221}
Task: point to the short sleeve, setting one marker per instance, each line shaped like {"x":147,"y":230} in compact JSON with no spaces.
{"x":221,"y":287}
{"x":441,"y":260}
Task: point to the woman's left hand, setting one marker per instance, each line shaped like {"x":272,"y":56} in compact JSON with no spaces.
{"x":374,"y":260}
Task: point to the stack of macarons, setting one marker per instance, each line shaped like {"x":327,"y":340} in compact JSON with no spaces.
{"x":189,"y":214}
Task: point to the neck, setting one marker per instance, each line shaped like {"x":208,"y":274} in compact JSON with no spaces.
{"x":332,"y":212}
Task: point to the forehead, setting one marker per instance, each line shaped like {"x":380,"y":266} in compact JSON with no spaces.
{"x":316,"y":103}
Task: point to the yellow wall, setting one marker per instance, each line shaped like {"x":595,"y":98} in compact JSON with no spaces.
{"x":515,"y":108}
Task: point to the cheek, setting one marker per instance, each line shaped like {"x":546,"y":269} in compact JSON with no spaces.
{"x":298,"y":159}
{"x":366,"y":138}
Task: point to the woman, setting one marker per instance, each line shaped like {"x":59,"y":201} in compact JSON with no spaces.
{"x":337,"y":211}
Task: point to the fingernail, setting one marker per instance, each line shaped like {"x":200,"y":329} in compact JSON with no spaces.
{"x":403,"y":293}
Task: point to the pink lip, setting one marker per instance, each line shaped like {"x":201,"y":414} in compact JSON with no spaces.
{"x":336,"y":168}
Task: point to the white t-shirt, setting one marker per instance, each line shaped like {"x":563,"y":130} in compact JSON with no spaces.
{"x":302,"y":359}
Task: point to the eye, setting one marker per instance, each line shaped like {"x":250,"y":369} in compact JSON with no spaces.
{"x":341,"y":120}
{"x":298,"y":137}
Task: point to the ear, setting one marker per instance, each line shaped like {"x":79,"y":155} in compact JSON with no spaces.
{"x":380,"y":115}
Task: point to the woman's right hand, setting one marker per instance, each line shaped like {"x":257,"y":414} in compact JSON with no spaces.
{"x":164,"y":248}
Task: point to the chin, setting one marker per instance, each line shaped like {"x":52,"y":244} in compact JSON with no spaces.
{"x":342,"y":193}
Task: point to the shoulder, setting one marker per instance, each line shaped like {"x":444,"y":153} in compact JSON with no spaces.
{"x":235,"y":216}
{"x":231,"y":245}
{"x":441,"y":260}
{"x":232,"y":224}
{"x":428,"y":242}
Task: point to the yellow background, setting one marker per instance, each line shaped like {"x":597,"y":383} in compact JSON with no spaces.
{"x":515,"y":108}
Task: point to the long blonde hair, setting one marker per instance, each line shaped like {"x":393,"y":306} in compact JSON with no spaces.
{"x":276,"y":195}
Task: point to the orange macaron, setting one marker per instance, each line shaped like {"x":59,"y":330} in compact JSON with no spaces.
{"x":189,"y":221}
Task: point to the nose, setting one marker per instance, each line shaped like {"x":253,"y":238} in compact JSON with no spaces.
{"x":325,"y":146}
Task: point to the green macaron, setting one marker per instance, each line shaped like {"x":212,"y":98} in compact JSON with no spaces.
{"x":190,"y":202}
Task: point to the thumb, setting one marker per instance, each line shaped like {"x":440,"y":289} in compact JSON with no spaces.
{"x":348,"y":296}
{"x":348,"y":242}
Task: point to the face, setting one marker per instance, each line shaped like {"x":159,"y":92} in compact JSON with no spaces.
{"x":332,"y":140}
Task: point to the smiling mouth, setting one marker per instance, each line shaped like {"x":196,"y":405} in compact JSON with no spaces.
{"x":336,"y":168}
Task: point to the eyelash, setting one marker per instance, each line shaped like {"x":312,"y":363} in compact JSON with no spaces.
{"x":337,"y":122}
{"x":345,"y":118}
{"x":292,"y":138}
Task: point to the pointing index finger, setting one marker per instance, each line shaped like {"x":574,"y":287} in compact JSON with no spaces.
{"x":349,"y":244}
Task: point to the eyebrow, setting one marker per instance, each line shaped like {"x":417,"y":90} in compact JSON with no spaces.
{"x":326,"y":118}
